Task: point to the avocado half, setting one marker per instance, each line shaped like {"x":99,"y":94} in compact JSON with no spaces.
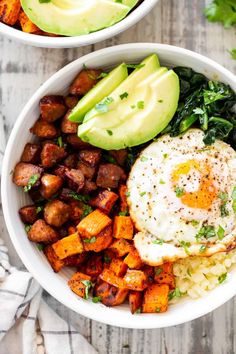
{"x":76,"y":17}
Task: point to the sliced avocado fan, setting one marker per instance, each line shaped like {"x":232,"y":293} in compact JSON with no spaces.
{"x":76,"y":17}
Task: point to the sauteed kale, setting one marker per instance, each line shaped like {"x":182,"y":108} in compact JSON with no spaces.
{"x":204,"y":104}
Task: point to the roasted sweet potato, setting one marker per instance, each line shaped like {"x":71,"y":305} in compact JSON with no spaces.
{"x":110,"y":175}
{"x":120,"y":247}
{"x":23,"y":172}
{"x":26,"y":24}
{"x":149,"y":271}
{"x":44,"y":130}
{"x":123,"y":198}
{"x":87,"y":171}
{"x":109,"y":295}
{"x":50,"y":185}
{"x":76,"y":142}
{"x":93,"y":224}
{"x":28,"y":214}
{"x":71,"y":101}
{"x":55,"y":262}
{"x":105,"y":201}
{"x":75,"y":179}
{"x":135,"y":301}
{"x":118,"y":267}
{"x":108,"y":276}
{"x":90,"y":157}
{"x":123,"y":227}
{"x":85,"y":80}
{"x":119,"y":155}
{"x":52,"y":107}
{"x":51,"y":154}
{"x":99,"y":242}
{"x":163,"y":274}
{"x":155,"y":298}
{"x":135,"y":280}
{"x":56,"y":212}
{"x":80,"y":284}
{"x":94,"y":266}
{"x":133,"y":259}
{"x":68,"y":246}
{"x":67,"y":126}
{"x":9,"y":11}
{"x":41,"y":232}
{"x":31,"y":153}
{"x":75,"y":260}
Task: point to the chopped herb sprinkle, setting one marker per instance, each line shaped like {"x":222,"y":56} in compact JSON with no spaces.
{"x":222,"y":278}
{"x":124,"y":95}
{"x":32,"y":180}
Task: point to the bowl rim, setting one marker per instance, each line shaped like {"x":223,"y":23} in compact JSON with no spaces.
{"x":78,"y":41}
{"x":86,"y":309}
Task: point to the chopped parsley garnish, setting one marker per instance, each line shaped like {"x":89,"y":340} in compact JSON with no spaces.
{"x":133,"y":106}
{"x":39,"y":209}
{"x":223,"y":210}
{"x":138,"y":310}
{"x":223,"y":196}
{"x":102,"y":107}
{"x":202,"y":249}
{"x":140,"y":104}
{"x":222,"y":278}
{"x":234,"y":199}
{"x":124,"y":95}
{"x":27,"y":227}
{"x":124,"y":213}
{"x":88,"y":285}
{"x":60,"y":142}
{"x":143,"y":159}
{"x":32,"y":180}
{"x":158,"y":271}
{"x":221,"y":233}
{"x":162,"y":182}
{"x":158,"y":242}
{"x":127,"y":194}
{"x":102,"y":75}
{"x":165,"y":156}
{"x":96,"y":299}
{"x":40,"y":246}
{"x":194,"y":222}
{"x":160,"y":101}
{"x":79,"y":197}
{"x":106,"y":259}
{"x":185,"y":246}
{"x":175,"y":293}
{"x":109,"y":132}
{"x":207,"y":231}
{"x":135,"y":66}
{"x":179,"y":192}
{"x":142,"y":194}
{"x":86,"y":210}
{"x":189,"y":273}
{"x":90,"y":240}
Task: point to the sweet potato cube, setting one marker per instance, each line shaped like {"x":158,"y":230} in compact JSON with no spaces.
{"x":123,"y":197}
{"x":9,"y":11}
{"x":104,"y":201}
{"x":155,"y":298}
{"x":94,"y":266}
{"x":120,"y":247}
{"x":123,"y":227}
{"x":26,"y":24}
{"x":133,"y":259}
{"x":109,"y":295}
{"x":68,"y":246}
{"x":93,"y":224}
{"x":163,"y":274}
{"x":108,"y":276}
{"x":80,"y":284}
{"x":55,"y":262}
{"x":75,"y":260}
{"x":99,"y":242}
{"x":135,"y":280}
{"x":118,"y":266}
{"x":135,"y":301}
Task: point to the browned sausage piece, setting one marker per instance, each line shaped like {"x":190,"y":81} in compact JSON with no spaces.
{"x":23,"y":171}
{"x":61,"y":171}
{"x":119,"y":155}
{"x":52,"y":107}
{"x":31,"y":153}
{"x":66,"y":195}
{"x":71,"y":161}
{"x":110,"y":175}
{"x":89,"y":186}
{"x":75,"y":179}
{"x":90,"y":157}
{"x":104,"y":200}
{"x":41,"y":232}
{"x":76,"y":142}
{"x":50,"y":184}
{"x":71,"y":101}
{"x":51,"y":154}
{"x":28,"y":214}
{"x":76,"y":210}
{"x":56,"y":213}
{"x":44,"y":130}
{"x":84,"y":82}
{"x":67,"y":126}
{"x":87,"y":171}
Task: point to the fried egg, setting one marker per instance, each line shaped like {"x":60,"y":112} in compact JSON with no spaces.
{"x":182,"y":198}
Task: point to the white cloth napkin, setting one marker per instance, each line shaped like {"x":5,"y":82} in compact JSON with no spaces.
{"x":27,"y":324}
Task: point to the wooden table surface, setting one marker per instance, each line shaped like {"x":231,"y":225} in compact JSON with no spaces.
{"x":23,"y":69}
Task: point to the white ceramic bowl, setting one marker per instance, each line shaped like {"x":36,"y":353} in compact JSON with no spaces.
{"x":79,"y":41}
{"x":13,"y":197}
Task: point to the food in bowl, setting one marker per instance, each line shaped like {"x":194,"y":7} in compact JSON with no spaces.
{"x":174,"y":176}
{"x":64,"y":17}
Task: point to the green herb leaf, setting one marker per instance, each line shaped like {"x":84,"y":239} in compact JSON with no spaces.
{"x":124,"y":213}
{"x":144,"y":158}
{"x":233,"y":53}
{"x":39,"y":209}
{"x":96,"y":299}
{"x":142,"y":194}
{"x":124,"y":95}
{"x":135,"y":66}
{"x":179,"y":192}
{"x":222,"y":278}
{"x":165,"y":156}
{"x":90,"y":240}
{"x":158,"y":242}
{"x":194,"y":222}
{"x":127,"y":194}
{"x":86,"y":210}
{"x":106,"y":259}
{"x":206,"y":231}
{"x":109,"y":132}
{"x":102,"y":75}
{"x":102,"y":107}
{"x":221,"y":233}
{"x":140,"y":104}
{"x":185,"y":246}
{"x":202,"y":249}
{"x":138,"y":310}
{"x":158,"y":271}
{"x":60,"y":142}
{"x":175,"y":293}
{"x":79,"y":197}
{"x":27,"y":227}
{"x":234,"y":199}
{"x":222,"y":11}
{"x":162,"y":182}
{"x":40,"y":246}
{"x":88,"y":285}
{"x":32,"y":180}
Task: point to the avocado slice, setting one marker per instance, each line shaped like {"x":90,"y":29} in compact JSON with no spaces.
{"x":75,"y":17}
{"x":140,"y":118}
{"x":98,"y":92}
{"x":143,"y":70}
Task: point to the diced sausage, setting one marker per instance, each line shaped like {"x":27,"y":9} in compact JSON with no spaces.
{"x":52,"y":107}
{"x":41,"y":232}
{"x":31,"y":153}
{"x":56,"y":213}
{"x":71,"y":161}
{"x":23,"y":171}
{"x":61,"y":171}
{"x":67,"y":126}
{"x":76,"y":210}
{"x":75,"y":179}
{"x":65,"y":195}
{"x":119,"y":155}
{"x":35,"y":195}
{"x":89,"y":186}
{"x":84,"y":82}
{"x":90,"y":157}
{"x":50,"y":184}
{"x":104,"y":201}
{"x":44,"y":130}
{"x":51,"y":154}
{"x":71,"y":101}
{"x":28,"y":214}
{"x":87,"y":171}
{"x":76,"y":142}
{"x":110,"y":175}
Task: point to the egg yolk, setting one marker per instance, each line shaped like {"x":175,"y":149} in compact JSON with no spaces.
{"x":206,"y":193}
